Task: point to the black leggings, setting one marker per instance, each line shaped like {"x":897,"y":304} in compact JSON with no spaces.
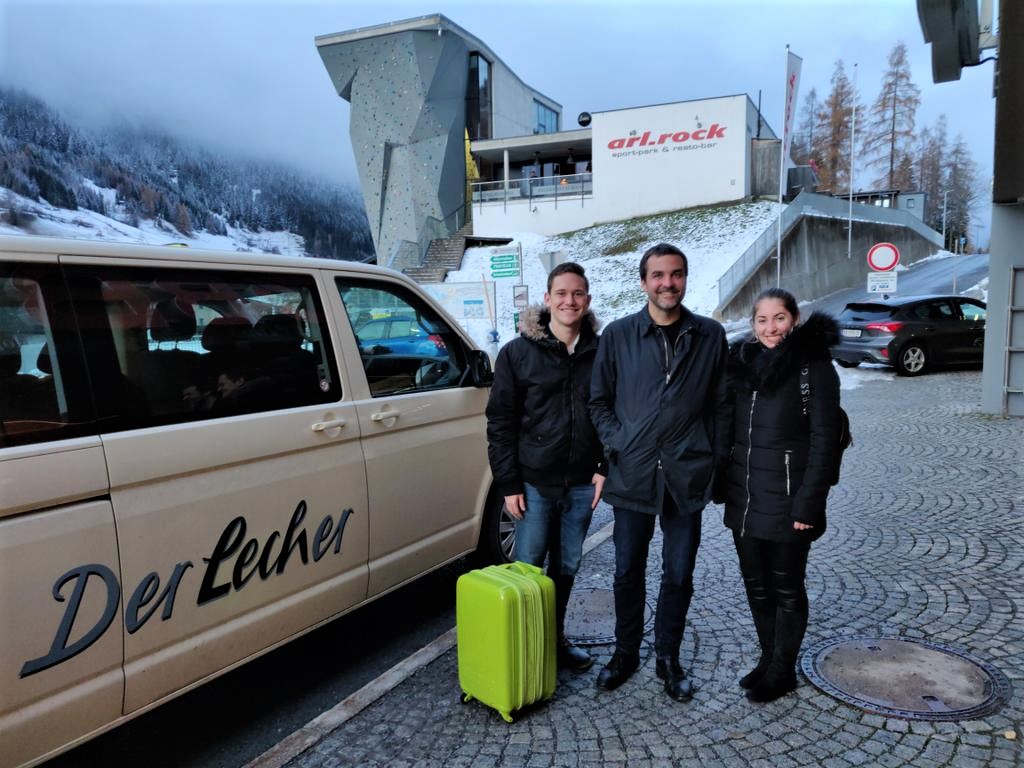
{"x":774,"y":571}
{"x":773,"y":576}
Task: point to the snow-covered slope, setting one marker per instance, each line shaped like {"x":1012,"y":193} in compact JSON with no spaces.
{"x":711,"y":238}
{"x":83,"y":224}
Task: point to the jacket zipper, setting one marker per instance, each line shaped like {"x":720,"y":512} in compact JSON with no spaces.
{"x":572,"y":412}
{"x":668,"y":362}
{"x":750,"y":430}
{"x":787,"y":472}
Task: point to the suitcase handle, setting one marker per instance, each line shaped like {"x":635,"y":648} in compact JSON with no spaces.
{"x":520,"y":567}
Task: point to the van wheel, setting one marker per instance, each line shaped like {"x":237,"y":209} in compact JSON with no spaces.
{"x":498,"y":533}
{"x":911,"y":360}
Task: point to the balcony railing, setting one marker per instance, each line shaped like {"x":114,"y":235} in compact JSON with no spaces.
{"x":577,"y":186}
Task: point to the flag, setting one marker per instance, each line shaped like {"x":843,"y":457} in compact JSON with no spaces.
{"x":792,"y":86}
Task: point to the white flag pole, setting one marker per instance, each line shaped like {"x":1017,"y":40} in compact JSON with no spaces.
{"x":782,"y":173}
{"x":793,"y":63}
{"x":853,"y":131}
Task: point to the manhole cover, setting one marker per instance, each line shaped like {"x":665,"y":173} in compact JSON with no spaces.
{"x":590,"y":617}
{"x":909,"y":679}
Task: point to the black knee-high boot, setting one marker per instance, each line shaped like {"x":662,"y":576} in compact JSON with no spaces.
{"x":762,"y":610}
{"x":790,"y":625}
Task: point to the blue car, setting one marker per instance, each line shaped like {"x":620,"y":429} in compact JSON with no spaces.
{"x":399,"y":335}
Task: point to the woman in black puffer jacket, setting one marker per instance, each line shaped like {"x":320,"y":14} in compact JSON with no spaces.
{"x":785,"y":447}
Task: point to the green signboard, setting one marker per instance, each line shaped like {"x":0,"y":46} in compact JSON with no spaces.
{"x":512,"y":271}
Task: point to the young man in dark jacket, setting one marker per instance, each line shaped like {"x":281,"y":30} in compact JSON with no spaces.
{"x":544,"y":453}
{"x":659,"y":403}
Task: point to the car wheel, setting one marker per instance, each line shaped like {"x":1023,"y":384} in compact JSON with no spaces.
{"x":911,"y":360}
{"x":498,"y":533}
{"x":847,"y":363}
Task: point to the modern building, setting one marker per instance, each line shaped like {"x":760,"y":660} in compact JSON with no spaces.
{"x":890,"y":198}
{"x":420,"y":90}
{"x":439,"y":123}
{"x":626,"y":163}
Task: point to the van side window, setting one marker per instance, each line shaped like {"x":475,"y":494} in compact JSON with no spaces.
{"x":181,"y":345}
{"x":43,"y":394}
{"x":404,"y":345}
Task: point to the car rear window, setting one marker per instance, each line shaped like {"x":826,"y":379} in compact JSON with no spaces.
{"x":866,"y":312}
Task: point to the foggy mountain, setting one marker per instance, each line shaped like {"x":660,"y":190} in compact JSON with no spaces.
{"x":135,"y":174}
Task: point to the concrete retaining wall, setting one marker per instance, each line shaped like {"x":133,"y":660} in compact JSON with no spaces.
{"x":814,"y":261}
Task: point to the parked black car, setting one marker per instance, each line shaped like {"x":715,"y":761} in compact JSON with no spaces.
{"x":911,"y":333}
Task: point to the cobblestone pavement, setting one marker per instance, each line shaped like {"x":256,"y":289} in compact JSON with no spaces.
{"x":925,"y":541}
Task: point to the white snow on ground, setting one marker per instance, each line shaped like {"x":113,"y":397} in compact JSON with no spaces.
{"x":979,"y":290}
{"x":851,"y":378}
{"x":83,"y":224}
{"x":711,"y":238}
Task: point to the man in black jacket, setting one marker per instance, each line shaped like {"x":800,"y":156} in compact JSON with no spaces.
{"x":659,"y":403}
{"x":544,"y":453}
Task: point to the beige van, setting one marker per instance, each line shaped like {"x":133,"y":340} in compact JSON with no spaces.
{"x":201,"y":458}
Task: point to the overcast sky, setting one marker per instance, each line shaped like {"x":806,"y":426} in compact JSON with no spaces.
{"x":247,"y":75}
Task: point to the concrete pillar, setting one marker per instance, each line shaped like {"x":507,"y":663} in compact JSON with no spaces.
{"x":1007,"y":219}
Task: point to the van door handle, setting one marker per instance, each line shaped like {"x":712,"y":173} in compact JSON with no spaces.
{"x":384,"y":416}
{"x":323,"y":426}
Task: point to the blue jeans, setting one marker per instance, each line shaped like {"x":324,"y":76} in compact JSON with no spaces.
{"x":680,"y":540}
{"x":559,"y":525}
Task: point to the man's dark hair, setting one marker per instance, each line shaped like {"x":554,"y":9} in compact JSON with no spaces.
{"x":662,"y":249}
{"x":568,"y":268}
{"x":788,"y":301}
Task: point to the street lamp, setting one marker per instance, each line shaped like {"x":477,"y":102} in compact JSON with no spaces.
{"x":945,"y":196}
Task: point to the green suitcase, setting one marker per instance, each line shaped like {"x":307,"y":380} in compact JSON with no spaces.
{"x":505,"y":624}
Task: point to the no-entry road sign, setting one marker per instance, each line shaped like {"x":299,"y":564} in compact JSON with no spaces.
{"x":883,"y":257}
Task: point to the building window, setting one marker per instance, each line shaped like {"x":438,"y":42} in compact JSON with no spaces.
{"x":478,"y":98}
{"x":547,"y":119}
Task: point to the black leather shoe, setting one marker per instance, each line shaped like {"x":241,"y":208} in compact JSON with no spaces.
{"x":573,"y":657}
{"x":617,"y":671}
{"x":677,"y":685}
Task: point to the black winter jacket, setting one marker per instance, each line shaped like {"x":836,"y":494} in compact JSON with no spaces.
{"x":781,"y":463}
{"x":661,"y":425}
{"x":538,"y":426}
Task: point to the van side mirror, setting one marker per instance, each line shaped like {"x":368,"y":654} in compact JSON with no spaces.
{"x":480,"y":368}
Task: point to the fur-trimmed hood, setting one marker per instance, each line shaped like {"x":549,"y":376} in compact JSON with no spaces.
{"x":764,"y":368}
{"x":533,"y":323}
